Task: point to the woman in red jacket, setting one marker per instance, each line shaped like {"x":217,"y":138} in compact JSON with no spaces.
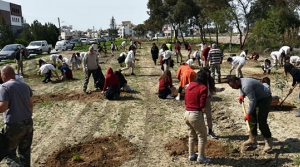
{"x":195,"y":101}
{"x":113,"y":84}
{"x":165,"y":88}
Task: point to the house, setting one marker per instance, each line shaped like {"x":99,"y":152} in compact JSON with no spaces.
{"x":12,"y":14}
{"x":126,"y":29}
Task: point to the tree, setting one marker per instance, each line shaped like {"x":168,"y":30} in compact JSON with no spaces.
{"x":140,"y":30}
{"x":112,"y":31}
{"x":6,"y":35}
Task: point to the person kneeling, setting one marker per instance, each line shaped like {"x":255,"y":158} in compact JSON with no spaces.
{"x":166,"y":88}
{"x":112,"y":84}
{"x":66,"y":72}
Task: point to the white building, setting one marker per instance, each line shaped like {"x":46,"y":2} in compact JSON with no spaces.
{"x":126,"y":29}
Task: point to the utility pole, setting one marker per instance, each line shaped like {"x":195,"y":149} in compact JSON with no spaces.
{"x":59,"y":37}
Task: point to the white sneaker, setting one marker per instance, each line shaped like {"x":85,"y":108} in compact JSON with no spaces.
{"x":169,"y":97}
{"x":177,"y":98}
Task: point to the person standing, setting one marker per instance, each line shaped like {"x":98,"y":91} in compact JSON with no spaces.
{"x":74,"y":61}
{"x":278,"y":57}
{"x":154,"y":53}
{"x":20,"y":55}
{"x":16,"y":106}
{"x":197,"y":55}
{"x":167,"y":57}
{"x":189,"y":49}
{"x":205,"y":56}
{"x":259,"y":106}
{"x":237,"y":61}
{"x":211,"y":90}
{"x":112,"y":48}
{"x":178,"y":51}
{"x":193,"y":116}
{"x":215,"y":57}
{"x":55,"y":58}
{"x":295,"y":73}
{"x":129,"y":60}
{"x":90,"y":64}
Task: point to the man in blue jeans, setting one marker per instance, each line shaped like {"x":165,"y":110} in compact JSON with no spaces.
{"x":16,"y":106}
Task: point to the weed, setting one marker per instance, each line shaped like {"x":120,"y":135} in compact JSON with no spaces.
{"x":76,"y":158}
{"x":297,"y":160}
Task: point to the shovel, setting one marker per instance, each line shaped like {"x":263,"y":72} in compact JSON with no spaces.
{"x":280,"y":105}
{"x":248,"y":126}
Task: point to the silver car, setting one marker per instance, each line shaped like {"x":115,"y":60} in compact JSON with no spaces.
{"x":9,"y":51}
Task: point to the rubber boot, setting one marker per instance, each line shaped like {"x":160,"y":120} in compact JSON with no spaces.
{"x":251,"y":142}
{"x":268,"y":145}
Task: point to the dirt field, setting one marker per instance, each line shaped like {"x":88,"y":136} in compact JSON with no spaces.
{"x":142,"y":130}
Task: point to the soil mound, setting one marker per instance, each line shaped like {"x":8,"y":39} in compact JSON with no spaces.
{"x":107,"y":151}
{"x":66,"y":96}
{"x":213,"y":149}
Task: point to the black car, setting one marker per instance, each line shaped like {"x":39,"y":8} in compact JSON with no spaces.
{"x":9,"y":51}
{"x":74,"y":42}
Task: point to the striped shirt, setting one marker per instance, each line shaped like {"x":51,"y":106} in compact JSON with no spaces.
{"x":215,"y":56}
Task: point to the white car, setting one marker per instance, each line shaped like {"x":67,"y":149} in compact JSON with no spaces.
{"x":63,"y":45}
{"x":85,"y":40}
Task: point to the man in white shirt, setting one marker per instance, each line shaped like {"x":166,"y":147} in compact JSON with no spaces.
{"x":236,"y":60}
{"x":277,"y":56}
{"x":197,"y":55}
{"x":286,"y":50}
{"x":46,"y":69}
{"x":295,"y":60}
{"x":54,"y":58}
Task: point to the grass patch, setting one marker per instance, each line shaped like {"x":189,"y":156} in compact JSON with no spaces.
{"x":297,"y":160}
{"x":76,"y":158}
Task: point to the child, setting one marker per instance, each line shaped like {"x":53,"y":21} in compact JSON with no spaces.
{"x":197,"y":55}
{"x":165,"y":88}
{"x":254,"y":56}
{"x":74,"y":61}
{"x":267,"y":66}
{"x":266,"y":82}
{"x":79,"y":59}
{"x":113,"y":84}
{"x":66,"y":73}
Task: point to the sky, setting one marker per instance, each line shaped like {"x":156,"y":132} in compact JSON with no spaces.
{"x":83,"y":14}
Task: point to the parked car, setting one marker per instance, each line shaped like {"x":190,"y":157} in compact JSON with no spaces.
{"x":108,"y":38}
{"x":102,"y":40}
{"x":63,"y":45}
{"x":74,"y":42}
{"x":38,"y":47}
{"x":9,"y":51}
{"x":85,"y":40}
{"x":94,"y":41}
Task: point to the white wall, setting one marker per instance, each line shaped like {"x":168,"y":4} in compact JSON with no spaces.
{"x":16,"y":20}
{"x":4,"y":6}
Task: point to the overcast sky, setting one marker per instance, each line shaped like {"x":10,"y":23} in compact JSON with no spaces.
{"x":83,"y":14}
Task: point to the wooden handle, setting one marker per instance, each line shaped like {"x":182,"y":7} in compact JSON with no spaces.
{"x":287,"y":95}
{"x":243,"y":106}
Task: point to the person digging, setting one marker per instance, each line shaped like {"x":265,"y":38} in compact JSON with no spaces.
{"x":259,"y":106}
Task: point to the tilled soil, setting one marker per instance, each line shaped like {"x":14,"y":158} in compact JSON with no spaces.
{"x":64,"y":117}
